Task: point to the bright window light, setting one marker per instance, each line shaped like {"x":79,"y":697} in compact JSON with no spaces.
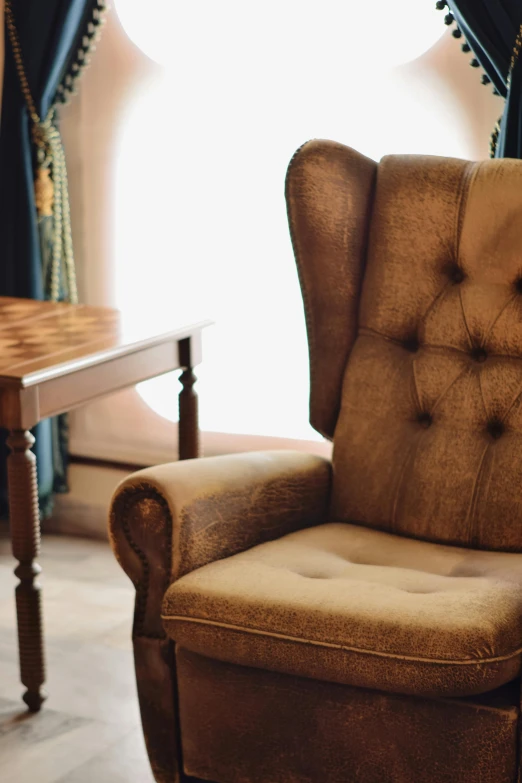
{"x":389,"y":34}
{"x":202,"y":154}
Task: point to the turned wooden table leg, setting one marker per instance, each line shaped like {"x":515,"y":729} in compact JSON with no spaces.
{"x":25,"y":537}
{"x":188,"y":416}
{"x":188,"y":433}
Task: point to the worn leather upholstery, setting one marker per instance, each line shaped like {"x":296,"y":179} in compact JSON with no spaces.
{"x":359,"y":605}
{"x":429,"y":439}
{"x":242,"y":724}
{"x":167,"y":521}
{"x":347,"y":604}
{"x":221,"y":505}
{"x":328,"y":192}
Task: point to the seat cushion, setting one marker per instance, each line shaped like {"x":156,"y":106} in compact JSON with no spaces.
{"x":347,"y":604}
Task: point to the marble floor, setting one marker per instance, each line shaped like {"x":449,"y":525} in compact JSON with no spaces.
{"x":89,"y":729}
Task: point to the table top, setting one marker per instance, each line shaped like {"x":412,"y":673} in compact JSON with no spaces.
{"x":44,"y":340}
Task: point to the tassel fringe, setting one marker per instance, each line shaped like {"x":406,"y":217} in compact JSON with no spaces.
{"x":54,"y":215}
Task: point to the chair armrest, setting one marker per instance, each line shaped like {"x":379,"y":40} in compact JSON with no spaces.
{"x":168,"y":520}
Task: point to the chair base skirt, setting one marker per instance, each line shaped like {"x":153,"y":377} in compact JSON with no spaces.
{"x":244,"y":725}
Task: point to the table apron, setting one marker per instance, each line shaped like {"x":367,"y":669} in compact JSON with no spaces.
{"x":23,"y":408}
{"x":63,"y":394}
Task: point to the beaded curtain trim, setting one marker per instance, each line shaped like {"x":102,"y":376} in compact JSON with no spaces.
{"x":91,"y":34}
{"x":449,"y":19}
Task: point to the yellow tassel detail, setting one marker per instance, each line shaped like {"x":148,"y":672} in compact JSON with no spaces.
{"x":44,"y":192}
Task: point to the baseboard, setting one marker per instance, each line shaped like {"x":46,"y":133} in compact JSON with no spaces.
{"x":107,"y":452}
{"x":122,"y":428}
{"x":213,"y":444}
{"x":84,"y":510}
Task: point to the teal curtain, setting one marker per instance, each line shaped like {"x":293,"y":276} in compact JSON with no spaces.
{"x":490,"y":28}
{"x":54,"y":35}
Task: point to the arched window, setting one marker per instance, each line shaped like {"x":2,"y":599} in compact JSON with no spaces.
{"x":216,"y":99}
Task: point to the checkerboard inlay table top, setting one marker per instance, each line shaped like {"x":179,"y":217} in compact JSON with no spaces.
{"x":53,"y":357}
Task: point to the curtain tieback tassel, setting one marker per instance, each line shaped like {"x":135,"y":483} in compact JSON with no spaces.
{"x":51,"y":196}
{"x":51,"y":192}
{"x":43,"y":192}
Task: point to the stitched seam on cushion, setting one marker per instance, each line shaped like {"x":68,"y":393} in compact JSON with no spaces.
{"x":445,"y":391}
{"x":497,"y":318}
{"x":337,"y":646}
{"x":481,"y":389}
{"x":469,"y":175}
{"x":465,"y":183}
{"x":436,"y":301}
{"x":129,"y":497}
{"x":470,"y":340}
{"x":468,"y":178}
{"x":512,"y":403}
{"x":416,"y":385}
{"x":470,"y":517}
{"x":409,"y":459}
{"x":366,"y":331}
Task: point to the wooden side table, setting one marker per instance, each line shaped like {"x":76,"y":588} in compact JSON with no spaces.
{"x":54,"y":357}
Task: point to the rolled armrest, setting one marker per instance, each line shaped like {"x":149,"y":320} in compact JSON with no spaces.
{"x":168,"y":520}
{"x":187,"y":514}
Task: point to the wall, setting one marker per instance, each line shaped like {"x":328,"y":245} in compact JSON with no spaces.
{"x":440,"y":82}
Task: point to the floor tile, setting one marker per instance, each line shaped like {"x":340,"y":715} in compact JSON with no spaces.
{"x":123,"y":762}
{"x":47,"y":746}
{"x":89,"y":728}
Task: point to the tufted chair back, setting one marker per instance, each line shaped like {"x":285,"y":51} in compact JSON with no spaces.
{"x":411,"y":273}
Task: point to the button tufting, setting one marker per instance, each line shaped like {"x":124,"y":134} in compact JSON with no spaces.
{"x":424,"y":419}
{"x":455,"y":273}
{"x":478,"y":354}
{"x":496,"y":428}
{"x":518,"y":285}
{"x":411,"y":344}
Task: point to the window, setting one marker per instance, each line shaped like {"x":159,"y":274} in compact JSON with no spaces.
{"x":211,"y":102}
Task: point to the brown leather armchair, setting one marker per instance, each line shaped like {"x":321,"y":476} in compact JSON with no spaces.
{"x":360,"y":622}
